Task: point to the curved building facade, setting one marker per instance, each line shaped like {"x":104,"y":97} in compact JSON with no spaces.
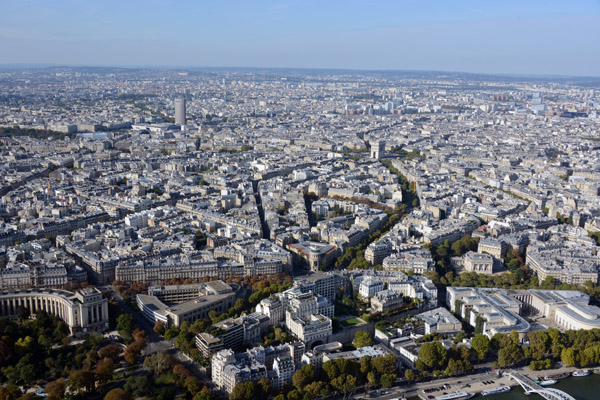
{"x":83,"y":312}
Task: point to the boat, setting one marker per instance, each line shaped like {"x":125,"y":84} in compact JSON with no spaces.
{"x":560,"y":376}
{"x":596,"y":371}
{"x":499,"y":389}
{"x":546,"y":381}
{"x":581,"y":372}
{"x":455,"y":396}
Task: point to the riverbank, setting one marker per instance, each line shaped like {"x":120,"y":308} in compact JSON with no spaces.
{"x":475,"y":382}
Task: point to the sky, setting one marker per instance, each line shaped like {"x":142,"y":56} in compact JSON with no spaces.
{"x":485,"y":36}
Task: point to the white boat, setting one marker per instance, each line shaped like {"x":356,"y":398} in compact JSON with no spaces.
{"x":455,"y":396}
{"x":499,"y":389}
{"x":546,"y":382}
{"x":581,"y":372}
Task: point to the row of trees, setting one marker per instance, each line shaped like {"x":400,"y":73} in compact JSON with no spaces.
{"x":341,"y":376}
{"x":541,"y":350}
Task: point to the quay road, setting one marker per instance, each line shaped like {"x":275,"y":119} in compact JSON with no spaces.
{"x":474,"y":380}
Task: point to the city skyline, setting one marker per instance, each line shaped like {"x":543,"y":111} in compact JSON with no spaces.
{"x":548,"y":38}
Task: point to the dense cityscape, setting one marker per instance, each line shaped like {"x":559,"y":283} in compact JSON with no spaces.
{"x":296,"y":234}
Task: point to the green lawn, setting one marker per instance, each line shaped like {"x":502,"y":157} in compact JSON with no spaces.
{"x":351,"y":322}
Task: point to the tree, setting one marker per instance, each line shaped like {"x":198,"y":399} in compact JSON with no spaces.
{"x":387,"y":380}
{"x":109,"y":351}
{"x":365,"y":365}
{"x":303,"y":376}
{"x":362,"y":339}
{"x":172,"y":332}
{"x":104,"y":370}
{"x":192,"y":385}
{"x":539,"y":344}
{"x":166,"y":393}
{"x":345,"y":384}
{"x":568,"y":356}
{"x":204,"y":395}
{"x":138,"y":385}
{"x":372,"y":378}
{"x":432,"y":355}
{"x":10,"y":392}
{"x":159,"y":362}
{"x":410,"y":375}
{"x":54,"y":389}
{"x":330,"y":370}
{"x":347,"y":367}
{"x":81,"y":380}
{"x":245,"y":391}
{"x":125,"y":323}
{"x":455,"y":367}
{"x":509,"y":355}
{"x":481,"y":345}
{"x":514,"y":337}
{"x":293,"y":395}
{"x":181,"y":371}
{"x":384,"y":364}
{"x":265,"y":387}
{"x":159,"y":328}
{"x":117,"y":394}
{"x":316,"y":389}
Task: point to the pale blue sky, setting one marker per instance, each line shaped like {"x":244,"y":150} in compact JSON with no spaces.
{"x":488,"y":36}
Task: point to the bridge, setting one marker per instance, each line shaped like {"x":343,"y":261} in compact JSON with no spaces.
{"x":529,"y":386}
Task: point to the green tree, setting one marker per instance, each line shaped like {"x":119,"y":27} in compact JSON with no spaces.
{"x":303,"y":376}
{"x":125,"y":323}
{"x":371,"y":378}
{"x":384,"y":364}
{"x":330,"y":370}
{"x":539,"y":344}
{"x":138,"y":385}
{"x":568,"y":356}
{"x":294,"y":395}
{"x":365,"y":365}
{"x":316,"y":389}
{"x":387,"y":380}
{"x":509,"y":355}
{"x":245,"y":391}
{"x":410,"y":375}
{"x":172,"y":332}
{"x":345,"y":384}
{"x":192,"y":385}
{"x":265,"y":387}
{"x":432,"y":355}
{"x":481,"y":345}
{"x":362,"y":339}
{"x":159,"y":362}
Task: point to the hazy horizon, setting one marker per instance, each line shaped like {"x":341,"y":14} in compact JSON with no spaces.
{"x":549,"y":38}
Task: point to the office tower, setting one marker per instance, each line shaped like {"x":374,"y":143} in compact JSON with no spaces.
{"x":180,"y":111}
